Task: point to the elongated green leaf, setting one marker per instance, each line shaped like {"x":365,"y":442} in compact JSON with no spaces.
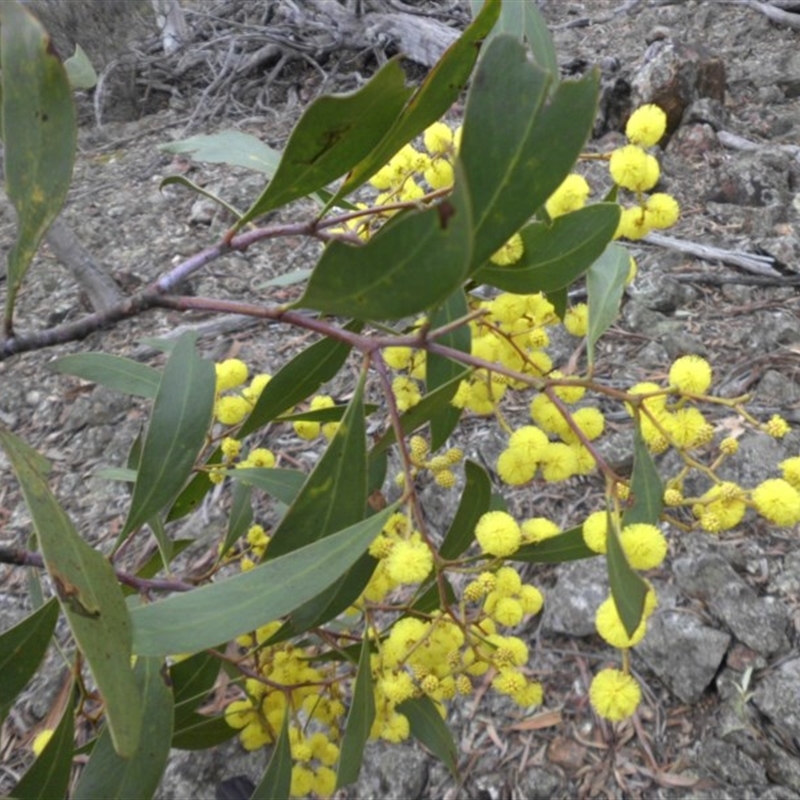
{"x":23,"y":647}
{"x":331,"y":414}
{"x":605,"y":283}
{"x":474,"y":503}
{"x":182,"y":180}
{"x":413,"y":263}
{"x":80,"y":72}
{"x":49,"y":774}
{"x":430,"y":405}
{"x":176,"y":433}
{"x":628,"y":588}
{"x":334,"y":495}
{"x":107,"y":775}
{"x":228,"y":147}
{"x":523,"y":20}
{"x":556,"y":255}
{"x":38,"y":135}
{"x":430,"y":102}
{"x":89,"y":594}
{"x":241,"y":515}
{"x":428,"y":727}
{"x":515,"y":151}
{"x":198,"y":732}
{"x":332,"y":136}
{"x":440,"y":370}
{"x":283,"y":484}
{"x":193,"y":621}
{"x":277,"y":780}
{"x":192,"y":679}
{"x":193,"y":493}
{"x":162,"y":540}
{"x":646,"y":485}
{"x":567,"y":546}
{"x":299,"y":379}
{"x":359,"y":722}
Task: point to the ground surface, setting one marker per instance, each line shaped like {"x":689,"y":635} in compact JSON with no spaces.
{"x":685,"y":743}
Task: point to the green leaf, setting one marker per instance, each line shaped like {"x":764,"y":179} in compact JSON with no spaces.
{"x":646,"y":485}
{"x":196,"y":620}
{"x":430,"y":405}
{"x":39,"y":137}
{"x":628,"y":588}
{"x":430,"y":102}
{"x":332,"y":136}
{"x":240,"y":517}
{"x":192,"y":679}
{"x":359,"y":721}
{"x":567,"y":546}
{"x":556,"y":255}
{"x":474,"y":503}
{"x":107,"y":775}
{"x":605,"y":283}
{"x":182,"y":180}
{"x":49,"y":774}
{"x":334,"y":495}
{"x":299,"y":379}
{"x":23,"y":647}
{"x":193,"y":493}
{"x":515,"y":151}
{"x":428,"y":727}
{"x":80,"y":72}
{"x":283,"y":484}
{"x":120,"y":374}
{"x":440,"y":370}
{"x":277,"y":780}
{"x":228,"y":147}
{"x":162,"y":540}
{"x":88,"y":592}
{"x":176,"y":433}
{"x":198,"y":732}
{"x":431,"y":599}
{"x":412,"y":263}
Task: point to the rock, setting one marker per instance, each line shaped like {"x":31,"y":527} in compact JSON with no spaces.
{"x":537,"y":783}
{"x":391,"y":772}
{"x":776,"y":696}
{"x":682,"y":652}
{"x":730,"y":765}
{"x":581,"y":588}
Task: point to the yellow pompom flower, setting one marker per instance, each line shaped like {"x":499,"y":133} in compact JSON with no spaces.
{"x":515,"y":466}
{"x":498,"y":534}
{"x":591,"y":422}
{"x":510,"y":252}
{"x":790,"y":468}
{"x":646,"y":126}
{"x":409,"y":562}
{"x":438,"y":139}
{"x":673,"y":497}
{"x":726,"y":503}
{"x":729,"y":446}
{"x":633,"y":169}
{"x":777,"y":427}
{"x":576,"y":320}
{"x":569,"y":196}
{"x":532,"y":694}
{"x":661,"y":210}
{"x":439,"y":175}
{"x":397,"y":357}
{"x":644,"y":545}
{"x":691,"y":374}
{"x":595,"y":531}
{"x":231,"y":410}
{"x":260,"y":457}
{"x":41,"y":740}
{"x":633,"y":224}
{"x":324,"y":784}
{"x":558,"y":462}
{"x":230,"y":447}
{"x":531,"y":599}
{"x":508,"y":611}
{"x":609,"y":625}
{"x":406,"y":392}
{"x":537,"y":529}
{"x":687,"y":427}
{"x":256,"y":387}
{"x":614,"y":695}
{"x":778,"y":501}
{"x":507,"y":581}
{"x":230,"y":373}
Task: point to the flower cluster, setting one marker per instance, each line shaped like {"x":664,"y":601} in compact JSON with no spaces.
{"x":230,"y":408}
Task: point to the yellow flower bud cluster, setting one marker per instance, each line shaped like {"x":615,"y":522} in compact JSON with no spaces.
{"x":308,"y":429}
{"x":439,"y":466}
{"x":230,"y":408}
{"x":633,"y":168}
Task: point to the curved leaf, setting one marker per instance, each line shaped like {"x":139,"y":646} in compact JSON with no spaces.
{"x":605,"y":283}
{"x":88,"y":592}
{"x":120,"y":374}
{"x":628,"y":588}
{"x":556,"y":255}
{"x":567,"y":546}
{"x":192,"y":679}
{"x":228,"y":147}
{"x":176,"y":432}
{"x":38,"y":133}
{"x":23,"y":647}
{"x":198,"y":732}
{"x":282,"y":484}
{"x":428,"y":727}
{"x":107,"y":775}
{"x":474,"y":503}
{"x":277,"y":780}
{"x":219,"y":612}
{"x":359,"y":721}
{"x":414,"y":262}
{"x":646,"y":485}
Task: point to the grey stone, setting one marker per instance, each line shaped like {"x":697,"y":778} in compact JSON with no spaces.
{"x":537,"y":783}
{"x":682,"y":652}
{"x":391,"y":772}
{"x":777,"y":696}
{"x":730,"y":765}
{"x":581,"y":588}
